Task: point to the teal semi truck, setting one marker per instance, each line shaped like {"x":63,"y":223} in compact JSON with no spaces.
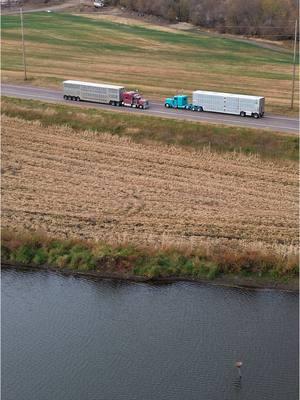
{"x":179,"y":101}
{"x":227,"y":103}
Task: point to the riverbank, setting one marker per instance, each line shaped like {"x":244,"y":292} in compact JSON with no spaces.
{"x":254,"y":283}
{"x":226,"y":267}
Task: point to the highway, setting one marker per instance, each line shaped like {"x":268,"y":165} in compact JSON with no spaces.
{"x":270,"y":122}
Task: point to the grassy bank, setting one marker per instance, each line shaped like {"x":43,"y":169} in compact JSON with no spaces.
{"x":157,"y":61}
{"x":143,"y":129}
{"x":125,"y":260}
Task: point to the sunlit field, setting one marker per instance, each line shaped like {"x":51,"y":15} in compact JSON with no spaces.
{"x":159,"y":62}
{"x":104,"y":187}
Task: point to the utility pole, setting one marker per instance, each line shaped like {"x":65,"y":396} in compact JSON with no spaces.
{"x":294,"y":64}
{"x":23,"y":44}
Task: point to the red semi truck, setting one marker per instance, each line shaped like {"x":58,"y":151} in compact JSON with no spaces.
{"x":134,"y":99}
{"x":103,"y":93}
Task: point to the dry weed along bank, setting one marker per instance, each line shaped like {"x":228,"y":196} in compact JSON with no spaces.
{"x":127,"y":260}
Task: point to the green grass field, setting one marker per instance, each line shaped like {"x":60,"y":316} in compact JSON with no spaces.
{"x":156,"y":61}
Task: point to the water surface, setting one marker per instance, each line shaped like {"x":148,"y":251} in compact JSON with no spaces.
{"x":76,"y":339}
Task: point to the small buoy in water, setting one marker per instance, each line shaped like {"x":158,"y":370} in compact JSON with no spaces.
{"x":239,"y":364}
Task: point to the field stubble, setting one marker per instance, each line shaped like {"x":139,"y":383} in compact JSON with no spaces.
{"x":106,"y":188}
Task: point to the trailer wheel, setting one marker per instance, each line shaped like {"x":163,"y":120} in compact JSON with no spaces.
{"x":65,"y":97}
{"x":255,"y":115}
{"x":194,"y":109}
{"x":200,"y":109}
{"x":242,"y":114}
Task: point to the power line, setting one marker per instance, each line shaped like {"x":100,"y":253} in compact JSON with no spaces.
{"x":254,"y":26}
{"x":266,"y":34}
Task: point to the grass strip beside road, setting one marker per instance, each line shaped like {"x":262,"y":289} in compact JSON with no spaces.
{"x":145,"y":129}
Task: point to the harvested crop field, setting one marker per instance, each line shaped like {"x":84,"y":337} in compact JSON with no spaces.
{"x":103,"y":187}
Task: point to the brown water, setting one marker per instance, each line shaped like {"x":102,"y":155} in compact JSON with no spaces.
{"x":76,"y":339}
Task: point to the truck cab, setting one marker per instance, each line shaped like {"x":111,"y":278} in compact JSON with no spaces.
{"x":179,"y":101}
{"x":134,"y":99}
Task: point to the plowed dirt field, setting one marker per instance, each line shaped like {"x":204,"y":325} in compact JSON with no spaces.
{"x":98,"y":186}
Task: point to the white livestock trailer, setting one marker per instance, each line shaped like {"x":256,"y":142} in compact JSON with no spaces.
{"x":95,"y":92}
{"x":228,"y":103}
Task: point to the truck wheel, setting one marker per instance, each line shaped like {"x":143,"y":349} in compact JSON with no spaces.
{"x":242,"y":114}
{"x":255,"y":115}
{"x":167,"y":105}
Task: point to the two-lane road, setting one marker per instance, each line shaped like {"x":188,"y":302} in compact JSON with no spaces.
{"x":272,"y":122}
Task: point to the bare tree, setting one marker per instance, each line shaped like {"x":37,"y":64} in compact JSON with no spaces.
{"x":270,"y":18}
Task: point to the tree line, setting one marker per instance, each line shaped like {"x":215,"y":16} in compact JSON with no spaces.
{"x":272,"y":19}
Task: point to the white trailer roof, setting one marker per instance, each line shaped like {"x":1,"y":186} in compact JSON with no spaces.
{"x":102,"y":85}
{"x":244,"y":96}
